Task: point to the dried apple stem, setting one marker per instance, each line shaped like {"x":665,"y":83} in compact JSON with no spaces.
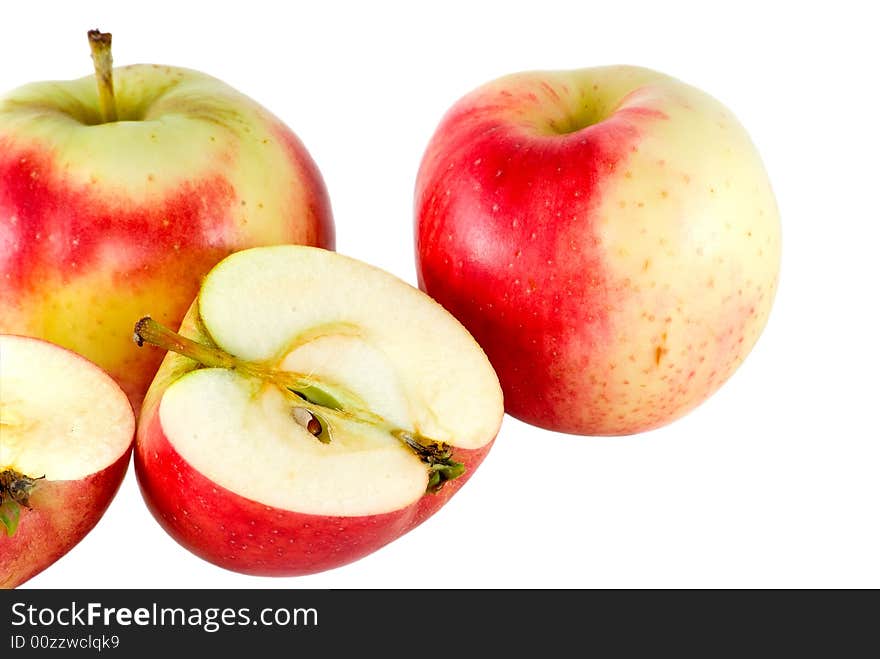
{"x":313,"y":405}
{"x":102,"y":56}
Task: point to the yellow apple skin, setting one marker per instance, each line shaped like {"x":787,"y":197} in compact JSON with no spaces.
{"x":610,"y":238}
{"x":102,"y":223}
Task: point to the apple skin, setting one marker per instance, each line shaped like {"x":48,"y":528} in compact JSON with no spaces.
{"x":62,"y":513}
{"x":246,"y":536}
{"x":124,"y":218}
{"x":610,"y":238}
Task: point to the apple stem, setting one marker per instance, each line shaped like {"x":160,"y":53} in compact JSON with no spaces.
{"x":314,"y":405}
{"x":100,"y":43}
{"x":149,"y":331}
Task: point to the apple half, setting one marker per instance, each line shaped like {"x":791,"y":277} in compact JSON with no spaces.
{"x":312,"y":409}
{"x":66,"y":431}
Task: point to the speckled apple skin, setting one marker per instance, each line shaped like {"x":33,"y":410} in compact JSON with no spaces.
{"x":616,"y":274}
{"x":61,"y":513}
{"x":244,"y":535}
{"x":102,"y":224}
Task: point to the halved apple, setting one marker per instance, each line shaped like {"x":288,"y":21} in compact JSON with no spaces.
{"x":318,"y":409}
{"x":66,"y":431}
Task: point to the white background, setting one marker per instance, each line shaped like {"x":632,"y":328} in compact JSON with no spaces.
{"x":774,"y":482}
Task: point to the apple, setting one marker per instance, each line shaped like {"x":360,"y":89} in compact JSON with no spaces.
{"x":314,"y":409}
{"x":117,"y":196}
{"x":608,"y":235}
{"x":67,"y":431}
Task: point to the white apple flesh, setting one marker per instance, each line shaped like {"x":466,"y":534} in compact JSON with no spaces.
{"x":292,"y":456}
{"x":66,"y":430}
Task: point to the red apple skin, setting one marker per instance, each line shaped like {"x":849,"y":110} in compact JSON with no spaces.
{"x":463,"y":251}
{"x":61,"y":514}
{"x":245,"y":536}
{"x":124,"y":248}
{"x":515,"y":236}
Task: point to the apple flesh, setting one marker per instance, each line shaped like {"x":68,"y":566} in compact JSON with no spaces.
{"x":67,"y":430}
{"x":608,"y":235}
{"x":319,"y":409}
{"x":124,"y":217}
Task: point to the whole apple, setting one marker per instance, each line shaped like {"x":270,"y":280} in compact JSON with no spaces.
{"x":119,"y":191}
{"x":608,"y":235}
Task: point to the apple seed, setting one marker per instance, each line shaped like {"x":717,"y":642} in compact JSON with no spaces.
{"x":312,"y":423}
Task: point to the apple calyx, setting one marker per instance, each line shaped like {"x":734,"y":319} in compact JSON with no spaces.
{"x":314,"y":408}
{"x":438,"y":457}
{"x":15,"y":492}
{"x":100,"y":44}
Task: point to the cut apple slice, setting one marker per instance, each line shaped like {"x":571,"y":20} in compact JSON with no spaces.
{"x":66,"y":429}
{"x":310,"y":390}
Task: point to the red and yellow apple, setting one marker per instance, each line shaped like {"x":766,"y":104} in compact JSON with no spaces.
{"x":318,"y":409}
{"x":66,"y":430}
{"x":608,"y":235}
{"x":116,"y":198}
